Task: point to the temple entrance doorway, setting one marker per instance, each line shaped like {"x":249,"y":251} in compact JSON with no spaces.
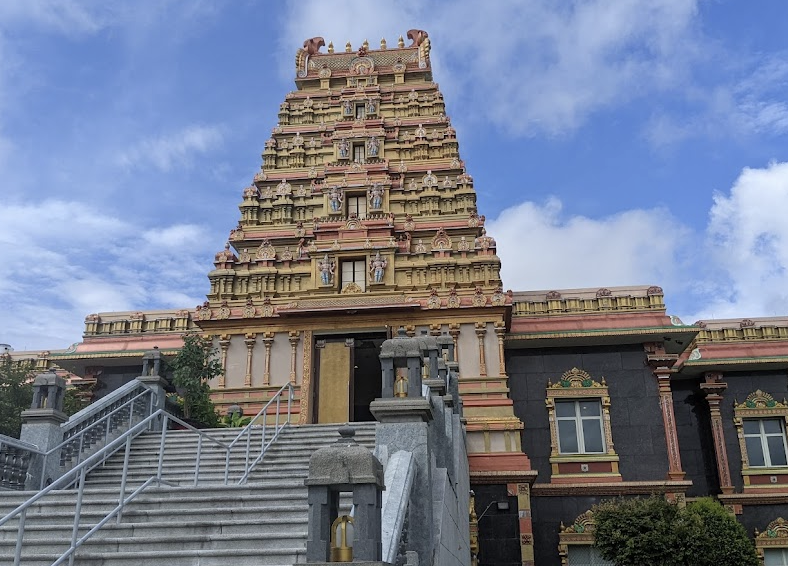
{"x":347,"y":377}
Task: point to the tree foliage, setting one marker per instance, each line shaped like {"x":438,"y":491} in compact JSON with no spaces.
{"x":654,"y":531}
{"x":193,"y":368}
{"x":16,"y":394}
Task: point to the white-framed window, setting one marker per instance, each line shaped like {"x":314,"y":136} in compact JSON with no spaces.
{"x":775,"y":557}
{"x":357,"y":205}
{"x":354,"y":272}
{"x":584,"y":555}
{"x":580,"y":427}
{"x":359,"y":153}
{"x":361,"y":111}
{"x":765,"y":441}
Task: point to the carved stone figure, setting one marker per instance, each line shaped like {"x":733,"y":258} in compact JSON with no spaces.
{"x":312,"y":46}
{"x":347,"y":108}
{"x":373,"y":145}
{"x":417,"y":36}
{"x":375,"y":196}
{"x":344,"y":149}
{"x":326,"y":268}
{"x":335,"y":198}
{"x":372,"y":106}
{"x":377,"y":268}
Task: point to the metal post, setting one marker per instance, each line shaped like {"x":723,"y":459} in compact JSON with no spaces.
{"x":122,"y":498}
{"x":20,"y":534}
{"x":164,"y":428}
{"x":290,"y":393}
{"x":197,"y":462}
{"x":77,"y":513}
{"x":278,"y":403}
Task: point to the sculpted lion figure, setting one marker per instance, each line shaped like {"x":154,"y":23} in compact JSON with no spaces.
{"x":312,"y":46}
{"x":417,"y":36}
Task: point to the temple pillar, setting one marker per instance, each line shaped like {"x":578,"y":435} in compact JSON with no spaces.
{"x":500,"y":332}
{"x":662,"y":365}
{"x":481,"y":330}
{"x":224,"y":345}
{"x":714,"y":387}
{"x":294,"y":337}
{"x":454,"y":332}
{"x":268,"y":340}
{"x":249,"y":340}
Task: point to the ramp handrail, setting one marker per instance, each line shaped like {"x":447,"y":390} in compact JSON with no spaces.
{"x":247,"y":432}
{"x":78,"y":474}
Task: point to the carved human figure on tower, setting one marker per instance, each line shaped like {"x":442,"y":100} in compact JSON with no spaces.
{"x":326,"y":268}
{"x":373,"y":145}
{"x":335,"y":199}
{"x":344,"y":149}
{"x":376,"y":196}
{"x":377,"y":268}
{"x":347,"y":108}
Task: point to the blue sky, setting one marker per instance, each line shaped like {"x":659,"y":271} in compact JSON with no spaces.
{"x":611,"y":143}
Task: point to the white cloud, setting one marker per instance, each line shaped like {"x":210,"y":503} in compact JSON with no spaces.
{"x":748,"y":246}
{"x":63,"y":260}
{"x":168,"y":151}
{"x":69,"y":17}
{"x":543,"y":248}
{"x":546,"y":66}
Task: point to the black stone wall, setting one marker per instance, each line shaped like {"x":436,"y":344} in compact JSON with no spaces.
{"x":548,"y":513}
{"x":696,"y":443}
{"x":635,"y":415}
{"x":759,"y":516}
{"x":114,"y":377}
{"x":499,"y":530}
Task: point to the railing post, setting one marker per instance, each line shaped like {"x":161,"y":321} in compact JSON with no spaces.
{"x":123,"y":479}
{"x":20,"y":534}
{"x":77,"y":514}
{"x":165,"y":426}
{"x":197,"y":462}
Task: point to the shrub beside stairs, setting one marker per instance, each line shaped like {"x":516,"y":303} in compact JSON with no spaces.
{"x":262,"y":522}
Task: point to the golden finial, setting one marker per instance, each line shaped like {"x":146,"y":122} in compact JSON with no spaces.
{"x":330,"y":46}
{"x":400,"y":42}
{"x":348,"y":47}
{"x":365,"y":45}
{"x":383,"y":43}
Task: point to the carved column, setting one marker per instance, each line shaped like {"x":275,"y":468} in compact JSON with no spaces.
{"x":481,"y":330}
{"x":249,"y":340}
{"x":500,"y":332}
{"x":294,"y":337}
{"x":306,"y":380}
{"x":454,"y":332}
{"x":714,"y":388}
{"x":224,"y":345}
{"x":268,"y":340}
{"x":662,"y":363}
{"x":435,"y":329}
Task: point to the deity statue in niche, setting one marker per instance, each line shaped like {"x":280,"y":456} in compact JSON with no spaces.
{"x":372,"y":106}
{"x":347,"y":108}
{"x":344,"y":149}
{"x":375,"y":195}
{"x":326,"y":268}
{"x":373,"y":145}
{"x":377,"y":268}
{"x":335,"y":198}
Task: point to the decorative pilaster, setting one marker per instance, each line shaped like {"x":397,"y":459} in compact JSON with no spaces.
{"x":454,"y":332}
{"x":523,"y":493}
{"x":306,"y":380}
{"x":714,"y":387}
{"x":662,"y":363}
{"x":224,"y":345}
{"x":500,"y":332}
{"x":294,"y":336}
{"x":481,"y":330}
{"x":249,"y":340}
{"x":268,"y":340}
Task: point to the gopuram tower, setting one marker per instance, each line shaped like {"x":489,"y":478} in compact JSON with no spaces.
{"x":362,"y":221}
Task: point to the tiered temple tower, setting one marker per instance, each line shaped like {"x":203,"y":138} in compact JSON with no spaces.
{"x":362,"y":220}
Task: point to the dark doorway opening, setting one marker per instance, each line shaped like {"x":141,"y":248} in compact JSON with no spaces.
{"x":367,"y":380}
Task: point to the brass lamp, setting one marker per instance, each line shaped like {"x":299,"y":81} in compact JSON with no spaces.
{"x":342,"y":539}
{"x":401,"y":383}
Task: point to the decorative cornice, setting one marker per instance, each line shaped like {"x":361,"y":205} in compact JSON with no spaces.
{"x":612,"y":488}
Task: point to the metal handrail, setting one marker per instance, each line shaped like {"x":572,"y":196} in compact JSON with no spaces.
{"x":84,"y":414}
{"x":247,"y":432}
{"x":79,"y":472}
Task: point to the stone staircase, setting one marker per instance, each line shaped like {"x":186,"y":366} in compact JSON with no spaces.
{"x":262,"y":522}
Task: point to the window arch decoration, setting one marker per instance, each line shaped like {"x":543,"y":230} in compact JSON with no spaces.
{"x":597,"y":465}
{"x":761,"y":423}
{"x":578,"y":538}
{"x":774,"y":538}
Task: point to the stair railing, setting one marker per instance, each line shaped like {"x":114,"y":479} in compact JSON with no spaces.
{"x":77,"y":475}
{"x":246,"y":433}
{"x":15,"y":459}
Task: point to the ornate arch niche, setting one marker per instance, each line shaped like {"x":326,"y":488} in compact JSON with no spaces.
{"x":760,"y":405}
{"x":577,"y":384}
{"x":775,"y":536}
{"x":579,"y":533}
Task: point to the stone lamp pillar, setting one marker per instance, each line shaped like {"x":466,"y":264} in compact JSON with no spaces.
{"x":430,"y":352}
{"x":151,"y":376}
{"x":404,"y":354}
{"x":344,"y":467}
{"x":446,"y":346}
{"x":41,"y":424}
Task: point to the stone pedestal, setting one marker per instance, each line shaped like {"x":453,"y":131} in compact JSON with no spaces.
{"x":157,"y":385}
{"x":404,"y":426}
{"x":41,"y":427}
